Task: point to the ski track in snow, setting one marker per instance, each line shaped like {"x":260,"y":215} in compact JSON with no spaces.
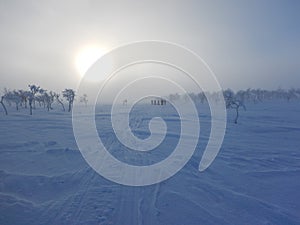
{"x":254,"y":180}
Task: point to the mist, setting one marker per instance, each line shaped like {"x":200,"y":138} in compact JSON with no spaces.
{"x":247,"y":44}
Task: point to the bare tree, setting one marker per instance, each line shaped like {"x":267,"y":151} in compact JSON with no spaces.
{"x":51,"y":99}
{"x":291,"y":94}
{"x":84,"y":99}
{"x":174,"y":97}
{"x":59,"y":101}
{"x":202,"y":97}
{"x":34,"y":90}
{"x":46,"y":98}
{"x":233,"y":103}
{"x":30,"y":98}
{"x":13,"y":96}
{"x":2,"y":103}
{"x":23,"y":96}
{"x":41,"y":100}
{"x":69,"y":95}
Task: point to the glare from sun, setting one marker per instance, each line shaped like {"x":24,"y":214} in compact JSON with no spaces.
{"x":87,"y":57}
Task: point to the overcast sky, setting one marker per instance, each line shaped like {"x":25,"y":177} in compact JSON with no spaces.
{"x":246,"y":43}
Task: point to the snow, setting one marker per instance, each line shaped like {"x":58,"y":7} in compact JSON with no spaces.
{"x":254,"y":180}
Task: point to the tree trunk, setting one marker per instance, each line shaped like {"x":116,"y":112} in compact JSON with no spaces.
{"x":30,"y":108}
{"x":62,"y":104}
{"x":70,"y":106}
{"x":3,"y":105}
{"x":237,"y":115}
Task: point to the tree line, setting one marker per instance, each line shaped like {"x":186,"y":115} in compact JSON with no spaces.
{"x":238,"y":100}
{"x":34,"y":95}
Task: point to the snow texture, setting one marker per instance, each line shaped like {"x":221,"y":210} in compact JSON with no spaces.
{"x":255,"y":179}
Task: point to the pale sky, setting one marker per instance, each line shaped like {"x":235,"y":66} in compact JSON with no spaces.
{"x":246,"y":43}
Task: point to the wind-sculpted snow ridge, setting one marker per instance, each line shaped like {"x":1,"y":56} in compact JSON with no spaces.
{"x":254,"y":180}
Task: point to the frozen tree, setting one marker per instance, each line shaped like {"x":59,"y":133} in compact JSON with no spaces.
{"x":69,"y":95}
{"x":174,"y":97}
{"x":2,"y":103}
{"x":51,"y":99}
{"x":291,"y":94}
{"x":23,"y":96}
{"x":57,"y":97}
{"x":17,"y":99}
{"x":26,"y":97}
{"x":255,"y":95}
{"x":233,"y":103}
{"x":48,"y":99}
{"x":194,"y":97}
{"x":202,"y":97}
{"x":83,"y":99}
{"x":13,"y":96}
{"x":41,"y":100}
{"x":34,"y":89}
{"x":241,"y":95}
{"x":30,"y":98}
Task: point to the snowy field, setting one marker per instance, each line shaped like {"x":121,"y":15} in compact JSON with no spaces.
{"x":255,"y":179}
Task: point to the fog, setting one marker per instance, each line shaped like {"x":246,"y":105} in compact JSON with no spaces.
{"x":246,"y":43}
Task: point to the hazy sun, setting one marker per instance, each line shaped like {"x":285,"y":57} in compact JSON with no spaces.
{"x":86,"y":57}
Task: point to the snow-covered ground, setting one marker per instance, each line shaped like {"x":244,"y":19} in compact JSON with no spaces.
{"x":255,"y":179}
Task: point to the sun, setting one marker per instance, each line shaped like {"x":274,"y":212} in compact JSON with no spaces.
{"x":86,"y":57}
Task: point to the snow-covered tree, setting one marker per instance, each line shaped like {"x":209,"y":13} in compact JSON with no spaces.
{"x":69,"y":95}
{"x":23,"y":96}
{"x":291,"y":94}
{"x":34,"y":89}
{"x":202,"y":97}
{"x":40,"y":99}
{"x":84,"y":99}
{"x":57,"y":97}
{"x":48,"y":99}
{"x":13,"y":96}
{"x":174,"y":97}
{"x":45,"y":97}
{"x":30,"y":98}
{"x":2,"y":103}
{"x":233,"y":103}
